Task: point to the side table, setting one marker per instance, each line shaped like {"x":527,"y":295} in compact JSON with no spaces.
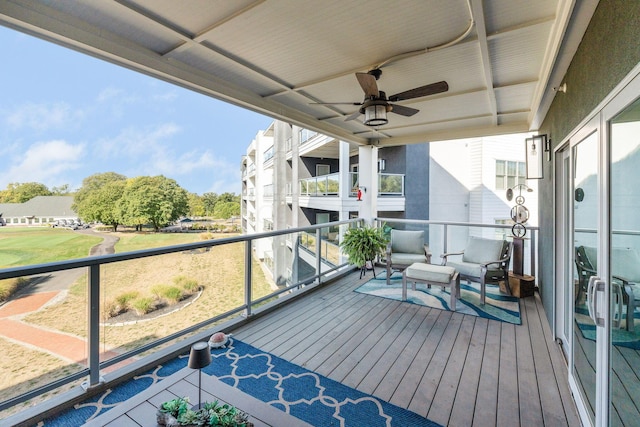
{"x":521,"y":285}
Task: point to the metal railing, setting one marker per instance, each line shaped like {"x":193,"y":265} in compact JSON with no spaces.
{"x":442,"y":237}
{"x":323,"y":185}
{"x":94,"y":301}
{"x":447,"y":236}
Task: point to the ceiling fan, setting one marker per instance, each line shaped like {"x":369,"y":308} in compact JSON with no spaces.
{"x":376,"y":105}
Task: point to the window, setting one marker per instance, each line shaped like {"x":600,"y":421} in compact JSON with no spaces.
{"x":509,"y":174}
{"x":322,"y":170}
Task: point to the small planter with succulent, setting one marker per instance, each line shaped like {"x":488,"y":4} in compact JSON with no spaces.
{"x":178,"y":412}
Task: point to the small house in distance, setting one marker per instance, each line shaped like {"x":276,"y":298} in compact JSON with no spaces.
{"x":39,"y":211}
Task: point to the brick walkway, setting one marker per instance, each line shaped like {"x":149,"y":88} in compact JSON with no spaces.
{"x":66,"y":346}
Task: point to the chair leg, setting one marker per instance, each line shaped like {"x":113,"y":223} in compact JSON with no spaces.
{"x":388,"y":274}
{"x":404,"y":287}
{"x":482,"y":291}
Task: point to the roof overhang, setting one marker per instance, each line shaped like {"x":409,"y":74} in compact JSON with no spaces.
{"x":501,"y":59}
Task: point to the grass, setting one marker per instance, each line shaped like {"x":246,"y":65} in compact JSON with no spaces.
{"x":9,"y":286}
{"x":37,"y":245}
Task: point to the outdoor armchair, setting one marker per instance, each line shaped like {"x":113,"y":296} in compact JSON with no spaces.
{"x":405,"y":248}
{"x":483,"y":261}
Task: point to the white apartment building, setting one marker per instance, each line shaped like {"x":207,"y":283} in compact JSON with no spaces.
{"x":293,"y":177}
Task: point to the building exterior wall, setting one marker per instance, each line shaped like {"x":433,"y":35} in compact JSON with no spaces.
{"x":608,"y":51}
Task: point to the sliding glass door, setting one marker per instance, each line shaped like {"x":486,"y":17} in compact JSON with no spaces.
{"x":598,"y":246}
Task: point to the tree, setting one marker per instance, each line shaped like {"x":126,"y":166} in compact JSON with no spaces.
{"x":196,"y":205}
{"x":101,"y":205}
{"x":62,"y":190}
{"x":209,"y":200}
{"x":155,"y":200}
{"x":98,"y":198}
{"x":226,"y":210}
{"x":23,"y":192}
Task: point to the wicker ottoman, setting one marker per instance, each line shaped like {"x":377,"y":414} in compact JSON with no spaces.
{"x":431,"y":274}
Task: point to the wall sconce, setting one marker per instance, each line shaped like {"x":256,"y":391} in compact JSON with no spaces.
{"x":534,"y":147}
{"x":382,"y":165}
{"x":547,"y":149}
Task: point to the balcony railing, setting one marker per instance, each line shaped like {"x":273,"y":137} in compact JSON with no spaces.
{"x":102,"y":278}
{"x":145,"y":345}
{"x":389,"y":184}
{"x":324,"y":185}
{"x":446,"y":237}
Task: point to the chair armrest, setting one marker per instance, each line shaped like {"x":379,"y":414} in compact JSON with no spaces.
{"x":427,"y":253}
{"x":500,"y":261}
{"x":444,"y":256}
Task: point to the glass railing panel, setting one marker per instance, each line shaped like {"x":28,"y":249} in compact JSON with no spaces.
{"x":391,"y":184}
{"x":42,"y":339}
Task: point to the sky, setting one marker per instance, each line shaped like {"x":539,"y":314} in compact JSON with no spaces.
{"x":65,"y":116}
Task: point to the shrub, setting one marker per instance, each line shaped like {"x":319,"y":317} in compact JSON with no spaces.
{"x":111,"y":309}
{"x":206,"y":236}
{"x":9,"y":286}
{"x":189,"y":285}
{"x":143,"y":305}
{"x":172,"y":294}
{"x":124,"y":299}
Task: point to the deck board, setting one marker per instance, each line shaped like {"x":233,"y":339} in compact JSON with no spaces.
{"x":455,"y":369}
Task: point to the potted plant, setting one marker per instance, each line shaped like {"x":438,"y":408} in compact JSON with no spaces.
{"x":178,"y":412}
{"x":363,"y":244}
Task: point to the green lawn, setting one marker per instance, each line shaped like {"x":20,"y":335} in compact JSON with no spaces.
{"x":34,"y":245}
{"x":137,"y":241}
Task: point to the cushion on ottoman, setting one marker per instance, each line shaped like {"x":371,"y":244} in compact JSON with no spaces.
{"x":430,"y":273}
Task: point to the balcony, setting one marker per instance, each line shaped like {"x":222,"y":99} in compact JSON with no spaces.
{"x":452,"y":368}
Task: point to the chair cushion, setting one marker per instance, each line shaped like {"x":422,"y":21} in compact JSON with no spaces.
{"x":468,"y":269}
{"x":480,"y":250}
{"x":408,"y":242}
{"x":407,"y":259}
{"x":430,"y":272}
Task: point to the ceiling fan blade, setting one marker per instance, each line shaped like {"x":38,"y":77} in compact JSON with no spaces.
{"x":335,"y":103}
{"x":421,"y":91}
{"x":353,"y":116}
{"x":402,"y":110}
{"x":368,"y":84}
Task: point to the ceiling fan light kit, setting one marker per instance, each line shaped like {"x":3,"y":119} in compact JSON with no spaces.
{"x":375,"y":115}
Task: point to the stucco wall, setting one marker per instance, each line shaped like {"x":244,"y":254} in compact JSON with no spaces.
{"x":609,"y":50}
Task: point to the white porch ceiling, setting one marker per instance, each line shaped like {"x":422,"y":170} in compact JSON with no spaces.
{"x":500,"y":58}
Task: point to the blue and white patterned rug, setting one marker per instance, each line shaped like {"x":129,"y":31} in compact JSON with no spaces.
{"x":304,"y":394}
{"x":498,"y":306}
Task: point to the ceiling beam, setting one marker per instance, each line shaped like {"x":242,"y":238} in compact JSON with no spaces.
{"x":483,"y":46}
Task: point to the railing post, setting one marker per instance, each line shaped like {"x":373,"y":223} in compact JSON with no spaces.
{"x":247,"y":278}
{"x":533,"y":253}
{"x":318,"y":253}
{"x":445,"y":237}
{"x":94,"y":327}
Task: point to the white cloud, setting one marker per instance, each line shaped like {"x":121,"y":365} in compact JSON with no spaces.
{"x":134,"y":141}
{"x":46,"y":161}
{"x":43,"y":116}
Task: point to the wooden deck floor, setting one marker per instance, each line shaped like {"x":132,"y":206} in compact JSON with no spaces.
{"x":455,"y":369}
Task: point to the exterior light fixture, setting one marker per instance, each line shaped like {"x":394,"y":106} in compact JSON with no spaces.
{"x":200,"y":357}
{"x":375,"y":114}
{"x":534,"y":148}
